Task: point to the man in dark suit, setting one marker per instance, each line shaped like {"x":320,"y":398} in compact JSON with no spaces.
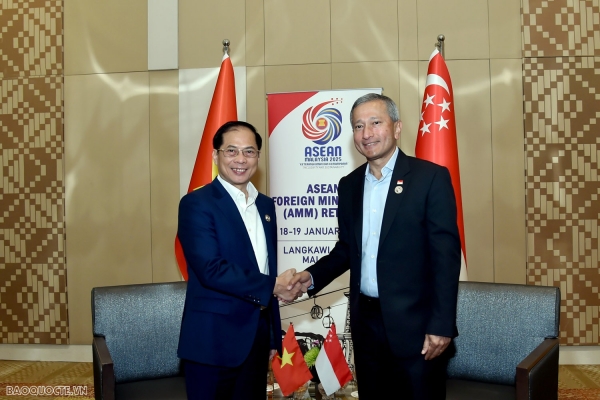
{"x":227,"y":229}
{"x":399,"y":237}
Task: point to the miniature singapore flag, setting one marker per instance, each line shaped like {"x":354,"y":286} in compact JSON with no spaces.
{"x":331,"y":365}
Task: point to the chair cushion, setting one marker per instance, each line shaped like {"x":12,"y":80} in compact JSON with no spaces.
{"x":159,"y":389}
{"x":141,"y":326}
{"x":462,"y":389}
{"x":498,"y":326}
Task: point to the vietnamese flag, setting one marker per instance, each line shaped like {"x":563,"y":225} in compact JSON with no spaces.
{"x":331,"y":364}
{"x":436,"y":139}
{"x":290,"y":369}
{"x":223,"y":108}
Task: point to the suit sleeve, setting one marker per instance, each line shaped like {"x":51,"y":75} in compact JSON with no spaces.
{"x":217,"y":254}
{"x":329,"y":267}
{"x":445,"y":254}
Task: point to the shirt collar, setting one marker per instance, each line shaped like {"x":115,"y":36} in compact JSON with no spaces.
{"x":235,"y":192}
{"x":387,"y":168}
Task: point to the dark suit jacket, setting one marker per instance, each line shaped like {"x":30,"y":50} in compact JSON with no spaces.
{"x":418,"y":261}
{"x":225,"y":287}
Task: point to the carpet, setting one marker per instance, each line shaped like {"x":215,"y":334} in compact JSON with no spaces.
{"x":578,"y":394}
{"x":45,"y":380}
{"x":579,"y":382}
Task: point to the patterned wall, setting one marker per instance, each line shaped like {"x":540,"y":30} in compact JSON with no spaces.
{"x":33,"y":287}
{"x":561,"y":68}
{"x":561,"y":50}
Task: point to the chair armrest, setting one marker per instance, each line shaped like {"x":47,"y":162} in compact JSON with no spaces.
{"x":537,"y":374}
{"x":104,"y":374}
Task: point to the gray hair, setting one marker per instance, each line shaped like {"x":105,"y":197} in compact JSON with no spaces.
{"x":392,"y":109}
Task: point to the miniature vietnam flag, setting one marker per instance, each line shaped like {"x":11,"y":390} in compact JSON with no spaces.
{"x":290,"y":368}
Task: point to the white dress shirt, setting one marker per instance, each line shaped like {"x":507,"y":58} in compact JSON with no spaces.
{"x":252,"y":221}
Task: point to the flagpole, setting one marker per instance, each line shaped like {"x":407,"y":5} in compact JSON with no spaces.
{"x":440,"y":45}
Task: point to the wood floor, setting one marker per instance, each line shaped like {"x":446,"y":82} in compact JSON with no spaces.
{"x":576,"y":382}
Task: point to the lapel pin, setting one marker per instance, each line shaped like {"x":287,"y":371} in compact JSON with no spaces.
{"x":267,"y":218}
{"x":399,"y":188}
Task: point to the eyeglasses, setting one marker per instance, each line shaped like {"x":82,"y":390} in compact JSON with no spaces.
{"x":231,"y":152}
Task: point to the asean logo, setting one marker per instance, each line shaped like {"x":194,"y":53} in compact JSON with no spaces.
{"x":322,"y":124}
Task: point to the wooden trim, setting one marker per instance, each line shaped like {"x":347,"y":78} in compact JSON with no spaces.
{"x":104,"y":374}
{"x":524,"y":368}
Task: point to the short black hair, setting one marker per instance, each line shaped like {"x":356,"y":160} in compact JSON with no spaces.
{"x":231,"y":125}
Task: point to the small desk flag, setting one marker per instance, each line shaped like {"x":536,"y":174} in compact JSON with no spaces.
{"x":331,"y":365}
{"x":290,"y":369}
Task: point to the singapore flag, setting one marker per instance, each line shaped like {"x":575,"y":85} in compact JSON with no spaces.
{"x":436,"y":140}
{"x":331,"y":365}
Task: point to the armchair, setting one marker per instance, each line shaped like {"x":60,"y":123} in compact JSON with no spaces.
{"x":507,"y":346}
{"x":136,"y":332}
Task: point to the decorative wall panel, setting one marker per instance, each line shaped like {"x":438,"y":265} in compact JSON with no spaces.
{"x":562,"y":139}
{"x":561,"y":28}
{"x":30,"y":38}
{"x":33,"y":287}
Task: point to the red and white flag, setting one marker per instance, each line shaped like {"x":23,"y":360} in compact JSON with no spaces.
{"x":223,"y":108}
{"x":331,"y":365}
{"x":436,"y":140}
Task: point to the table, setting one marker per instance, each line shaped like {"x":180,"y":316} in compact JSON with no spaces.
{"x":343,"y":394}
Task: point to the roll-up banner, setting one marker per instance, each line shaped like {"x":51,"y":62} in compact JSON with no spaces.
{"x":311,"y":147}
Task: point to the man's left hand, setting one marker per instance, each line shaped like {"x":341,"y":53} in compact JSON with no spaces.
{"x":434,"y":346}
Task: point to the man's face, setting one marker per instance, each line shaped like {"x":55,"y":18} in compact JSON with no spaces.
{"x":239,"y":169}
{"x":375,"y":134}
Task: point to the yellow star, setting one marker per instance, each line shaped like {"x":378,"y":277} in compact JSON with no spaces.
{"x":287,"y":358}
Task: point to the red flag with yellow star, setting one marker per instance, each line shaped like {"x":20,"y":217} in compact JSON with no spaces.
{"x":222,"y":109}
{"x":290,"y":369}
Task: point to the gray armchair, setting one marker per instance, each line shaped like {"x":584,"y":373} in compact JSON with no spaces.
{"x":507,"y":346}
{"x":136,"y":332}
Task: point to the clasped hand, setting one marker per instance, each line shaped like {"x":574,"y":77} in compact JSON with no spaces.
{"x":286,"y":288}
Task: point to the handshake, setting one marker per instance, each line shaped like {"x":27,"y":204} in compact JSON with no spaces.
{"x":291,"y":285}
